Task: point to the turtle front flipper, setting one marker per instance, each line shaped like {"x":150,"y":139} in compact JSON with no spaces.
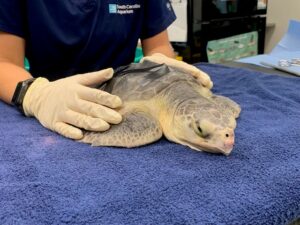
{"x":137,"y":128}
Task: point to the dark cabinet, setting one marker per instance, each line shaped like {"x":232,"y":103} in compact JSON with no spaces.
{"x":209,"y":21}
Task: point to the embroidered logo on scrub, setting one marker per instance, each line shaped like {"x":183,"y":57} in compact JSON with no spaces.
{"x":169,"y":4}
{"x":123,"y":9}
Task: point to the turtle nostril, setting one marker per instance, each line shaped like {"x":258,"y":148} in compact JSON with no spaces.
{"x":227,"y":135}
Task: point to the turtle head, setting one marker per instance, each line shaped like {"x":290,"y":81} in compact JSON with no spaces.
{"x":203,"y":126}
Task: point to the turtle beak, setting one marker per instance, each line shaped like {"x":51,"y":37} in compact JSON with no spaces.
{"x":227,"y":147}
{"x":227,"y":144}
{"x":225,"y":150}
{"x":223,"y":145}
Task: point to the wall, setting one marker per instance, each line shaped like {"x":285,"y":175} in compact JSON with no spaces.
{"x":279,"y":13}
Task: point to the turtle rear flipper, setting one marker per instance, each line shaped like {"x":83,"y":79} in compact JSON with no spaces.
{"x":136,"y":129}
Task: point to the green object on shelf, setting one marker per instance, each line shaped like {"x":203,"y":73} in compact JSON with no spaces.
{"x":232,"y":48}
{"x":26,"y":64}
{"x":138,"y":54}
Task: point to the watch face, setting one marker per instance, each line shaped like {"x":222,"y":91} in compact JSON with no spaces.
{"x":16,"y":96}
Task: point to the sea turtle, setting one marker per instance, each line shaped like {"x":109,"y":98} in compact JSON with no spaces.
{"x":158,"y":99}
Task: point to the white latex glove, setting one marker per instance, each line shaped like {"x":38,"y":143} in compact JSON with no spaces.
{"x":70,"y":103}
{"x":203,"y":78}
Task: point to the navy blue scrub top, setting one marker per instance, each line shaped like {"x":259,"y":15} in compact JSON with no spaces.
{"x":67,"y":37}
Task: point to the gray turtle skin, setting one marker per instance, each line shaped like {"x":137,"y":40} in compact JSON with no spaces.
{"x":160,"y":100}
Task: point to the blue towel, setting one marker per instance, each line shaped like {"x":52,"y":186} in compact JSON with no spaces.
{"x":48,"y":179}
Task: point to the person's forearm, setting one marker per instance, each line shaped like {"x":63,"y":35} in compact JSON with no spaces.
{"x":158,"y":44}
{"x":167,"y":50}
{"x":10,"y":75}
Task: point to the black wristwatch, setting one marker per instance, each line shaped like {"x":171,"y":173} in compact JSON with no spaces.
{"x":19,"y":94}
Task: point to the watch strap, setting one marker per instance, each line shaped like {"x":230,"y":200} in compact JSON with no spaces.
{"x":20,"y":91}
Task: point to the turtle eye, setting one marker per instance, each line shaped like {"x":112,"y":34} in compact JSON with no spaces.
{"x":201,"y":133}
{"x":200,"y":130}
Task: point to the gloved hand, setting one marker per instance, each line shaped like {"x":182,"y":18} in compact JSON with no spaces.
{"x":202,"y":77}
{"x":70,"y":103}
